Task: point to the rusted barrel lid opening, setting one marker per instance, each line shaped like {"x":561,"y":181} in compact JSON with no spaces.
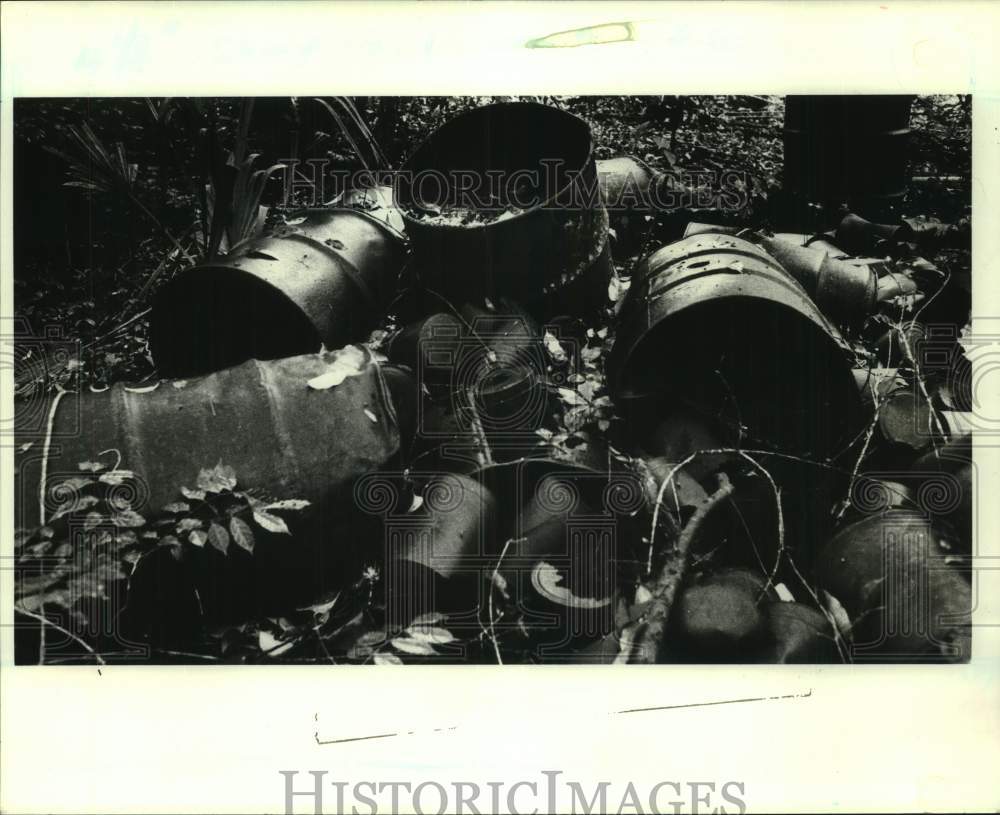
{"x":504,"y":200}
{"x":494,"y":143}
{"x":210,"y":318}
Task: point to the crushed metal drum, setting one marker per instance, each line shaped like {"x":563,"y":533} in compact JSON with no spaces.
{"x":842,"y":290}
{"x":504,"y":201}
{"x":323,"y":279}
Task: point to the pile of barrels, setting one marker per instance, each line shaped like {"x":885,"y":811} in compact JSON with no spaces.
{"x":728,"y":364}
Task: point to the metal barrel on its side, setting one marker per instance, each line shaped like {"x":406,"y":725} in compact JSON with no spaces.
{"x":843,"y":290}
{"x":717,"y":322}
{"x":323,"y":279}
{"x":482,"y":385}
{"x":534,"y":227}
{"x":283,"y":438}
{"x":905,"y":601}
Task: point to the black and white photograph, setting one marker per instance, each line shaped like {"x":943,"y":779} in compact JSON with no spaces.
{"x":476,"y":416}
{"x":493,"y":380}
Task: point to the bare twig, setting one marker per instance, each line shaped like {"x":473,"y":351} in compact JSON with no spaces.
{"x":60,"y":629}
{"x":493,"y":581}
{"x":781,"y":521}
{"x":45,"y":453}
{"x":644,"y":638}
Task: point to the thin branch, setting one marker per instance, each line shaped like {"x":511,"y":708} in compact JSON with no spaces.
{"x":59,"y":628}
{"x":645,"y":638}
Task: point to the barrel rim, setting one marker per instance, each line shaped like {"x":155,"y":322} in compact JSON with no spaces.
{"x":483,"y":110}
{"x":339,"y":210}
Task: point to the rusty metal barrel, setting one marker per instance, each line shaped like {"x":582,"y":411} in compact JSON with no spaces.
{"x":847,"y":147}
{"x":282,"y":437}
{"x":890,"y":572}
{"x":322,"y":279}
{"x":504,"y":201}
{"x":843,"y":290}
{"x":714,"y":320}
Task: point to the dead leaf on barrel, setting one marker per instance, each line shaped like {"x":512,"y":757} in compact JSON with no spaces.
{"x":289,"y":504}
{"x":349,"y":361}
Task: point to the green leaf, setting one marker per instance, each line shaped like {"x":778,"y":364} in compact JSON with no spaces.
{"x":366,"y":644}
{"x":220,"y":477}
{"x":272,"y":523}
{"x":386,"y":659}
{"x":193,"y":495}
{"x":187,"y":524}
{"x":289,"y":504}
{"x":430,"y":634}
{"x":81,"y":502}
{"x":242,"y":533}
{"x":177,"y":507}
{"x":116,"y":477}
{"x":429,"y":618}
{"x":218,"y":537}
{"x":408,"y":645}
{"x":198,"y":537}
